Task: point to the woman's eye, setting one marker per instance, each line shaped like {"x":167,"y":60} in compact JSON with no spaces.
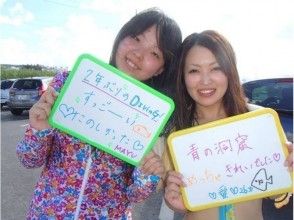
{"x":217,"y":68}
{"x":193,"y":71}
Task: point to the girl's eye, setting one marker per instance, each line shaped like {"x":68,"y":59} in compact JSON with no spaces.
{"x":136,"y":38}
{"x":155,"y":54}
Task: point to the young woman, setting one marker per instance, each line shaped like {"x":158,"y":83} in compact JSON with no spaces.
{"x":79,"y":181}
{"x":208,"y":89}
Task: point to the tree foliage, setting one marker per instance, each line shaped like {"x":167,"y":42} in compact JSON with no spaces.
{"x":25,"y":71}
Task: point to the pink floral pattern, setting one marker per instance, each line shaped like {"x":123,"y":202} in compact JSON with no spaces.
{"x":111,"y":185}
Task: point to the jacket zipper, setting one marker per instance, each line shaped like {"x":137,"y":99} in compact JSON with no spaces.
{"x":84,"y":183}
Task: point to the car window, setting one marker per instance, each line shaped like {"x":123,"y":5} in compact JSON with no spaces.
{"x":276,"y":94}
{"x":6,"y":84}
{"x":27,"y":84}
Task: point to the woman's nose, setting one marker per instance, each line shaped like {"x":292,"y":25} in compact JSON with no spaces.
{"x":205,"y":78}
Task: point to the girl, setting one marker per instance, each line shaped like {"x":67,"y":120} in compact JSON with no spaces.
{"x":79,"y":181}
{"x":208,"y":89}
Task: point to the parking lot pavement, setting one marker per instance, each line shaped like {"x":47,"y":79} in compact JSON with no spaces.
{"x":17,"y":182}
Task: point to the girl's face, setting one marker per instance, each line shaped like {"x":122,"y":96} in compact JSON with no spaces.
{"x":205,"y":81}
{"x":140,"y":56}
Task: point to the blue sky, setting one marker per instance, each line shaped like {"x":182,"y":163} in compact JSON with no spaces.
{"x":56,"y":32}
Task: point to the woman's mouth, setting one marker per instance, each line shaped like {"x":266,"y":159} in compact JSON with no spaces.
{"x":206,"y":92}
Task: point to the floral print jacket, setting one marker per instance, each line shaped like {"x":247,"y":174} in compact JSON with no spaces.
{"x":79,"y":181}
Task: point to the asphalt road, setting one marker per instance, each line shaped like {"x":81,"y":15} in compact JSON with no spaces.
{"x":17,"y":182}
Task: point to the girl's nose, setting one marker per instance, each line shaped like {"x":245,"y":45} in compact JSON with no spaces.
{"x":138,"y":53}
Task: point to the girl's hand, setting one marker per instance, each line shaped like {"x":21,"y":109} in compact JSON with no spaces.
{"x":172,"y":194}
{"x":289,"y":159}
{"x":39,"y":113}
{"x":152,"y":165}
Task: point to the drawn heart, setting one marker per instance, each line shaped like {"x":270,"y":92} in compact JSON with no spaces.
{"x":276,"y":156}
{"x":212,"y":195}
{"x":65,"y":110}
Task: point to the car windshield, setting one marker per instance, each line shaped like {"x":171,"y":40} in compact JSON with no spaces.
{"x":27,"y":84}
{"x":277,"y":94}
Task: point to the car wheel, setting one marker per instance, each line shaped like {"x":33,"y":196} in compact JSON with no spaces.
{"x":16,"y":111}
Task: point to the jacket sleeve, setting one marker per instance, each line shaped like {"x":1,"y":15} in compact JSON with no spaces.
{"x":34,"y":148}
{"x":143,"y":186}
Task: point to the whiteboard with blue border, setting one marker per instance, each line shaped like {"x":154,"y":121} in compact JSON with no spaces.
{"x":231,"y":160}
{"x":110,"y":110}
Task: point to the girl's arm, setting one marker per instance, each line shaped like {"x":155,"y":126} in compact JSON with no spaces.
{"x":145,"y":178}
{"x":34,"y":148}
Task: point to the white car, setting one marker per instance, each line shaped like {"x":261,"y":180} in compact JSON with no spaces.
{"x":5,"y":86}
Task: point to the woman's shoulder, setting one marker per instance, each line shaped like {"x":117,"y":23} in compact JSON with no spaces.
{"x":252,"y":107}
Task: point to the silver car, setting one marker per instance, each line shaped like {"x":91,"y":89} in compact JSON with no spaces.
{"x":5,"y":87}
{"x":25,"y":92}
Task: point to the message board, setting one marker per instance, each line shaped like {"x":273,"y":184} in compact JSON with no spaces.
{"x":110,"y":110}
{"x":231,"y":160}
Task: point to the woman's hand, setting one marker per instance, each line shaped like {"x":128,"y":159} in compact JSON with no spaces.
{"x":289,"y":159}
{"x":172,"y":194}
{"x":39,"y":113}
{"x":152,"y":165}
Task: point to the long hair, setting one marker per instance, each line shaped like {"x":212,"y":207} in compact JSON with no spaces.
{"x":169,"y":39}
{"x":233,"y":100}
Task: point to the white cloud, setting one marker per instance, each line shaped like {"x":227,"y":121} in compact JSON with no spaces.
{"x":261,"y":32}
{"x":14,"y":49}
{"x":17,"y":16}
{"x":2,"y":3}
{"x":80,"y":34}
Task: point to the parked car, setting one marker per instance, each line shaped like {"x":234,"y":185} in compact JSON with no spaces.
{"x":25,"y":92}
{"x":5,"y":86}
{"x":275,"y":93}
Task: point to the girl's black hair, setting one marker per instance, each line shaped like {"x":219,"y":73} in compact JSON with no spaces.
{"x":169,"y":40}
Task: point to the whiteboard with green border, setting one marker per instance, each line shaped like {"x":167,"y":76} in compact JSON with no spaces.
{"x":110,"y":110}
{"x":231,"y":160}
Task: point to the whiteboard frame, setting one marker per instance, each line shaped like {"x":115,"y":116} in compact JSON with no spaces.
{"x":252,"y":114}
{"x":137,"y":83}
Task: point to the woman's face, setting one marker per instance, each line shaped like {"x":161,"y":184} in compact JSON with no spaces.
{"x":205,"y":81}
{"x":140,"y":56}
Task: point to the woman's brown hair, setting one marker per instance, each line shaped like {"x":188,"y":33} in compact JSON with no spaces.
{"x":234,"y":101}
